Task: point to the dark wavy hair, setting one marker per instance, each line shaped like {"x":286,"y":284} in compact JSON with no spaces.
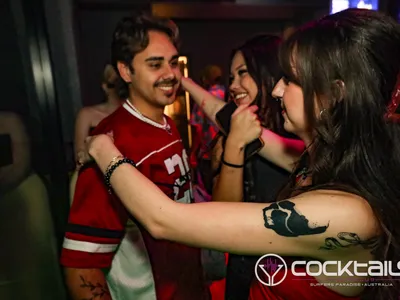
{"x":350,"y":61}
{"x":131,"y":36}
{"x":260,"y":54}
{"x":261,"y":57}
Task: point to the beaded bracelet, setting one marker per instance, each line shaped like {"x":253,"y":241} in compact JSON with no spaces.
{"x":113,"y":161}
{"x":112,"y":169}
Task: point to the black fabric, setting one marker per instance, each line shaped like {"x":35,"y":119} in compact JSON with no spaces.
{"x":262,"y":182}
{"x":6,"y":157}
{"x":204,"y":166}
{"x":93,"y":231}
{"x":240,"y":274}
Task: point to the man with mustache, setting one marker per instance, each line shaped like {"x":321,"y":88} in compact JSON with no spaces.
{"x":106,"y":254}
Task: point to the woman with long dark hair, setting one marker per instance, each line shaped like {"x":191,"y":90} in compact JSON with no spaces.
{"x":339,"y":95}
{"x":254,"y":71}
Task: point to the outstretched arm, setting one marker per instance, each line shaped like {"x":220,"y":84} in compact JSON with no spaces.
{"x":207,"y":102}
{"x":298,"y":226}
{"x":281,"y":151}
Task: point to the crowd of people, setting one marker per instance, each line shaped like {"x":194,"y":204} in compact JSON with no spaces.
{"x":323,"y":186}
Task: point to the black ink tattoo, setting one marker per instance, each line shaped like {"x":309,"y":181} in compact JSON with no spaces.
{"x":286,"y":221}
{"x":348,"y":239}
{"x":98,"y":291}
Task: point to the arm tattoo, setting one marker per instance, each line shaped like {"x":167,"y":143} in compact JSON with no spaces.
{"x":286,"y":221}
{"x":98,"y":290}
{"x":203,"y":103}
{"x":348,"y":239}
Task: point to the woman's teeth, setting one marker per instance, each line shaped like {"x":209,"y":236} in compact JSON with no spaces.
{"x":240,"y":96}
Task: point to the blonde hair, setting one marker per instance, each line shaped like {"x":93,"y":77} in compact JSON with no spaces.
{"x":109,"y":74}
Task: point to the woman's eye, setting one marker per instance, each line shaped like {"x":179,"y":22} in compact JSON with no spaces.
{"x":241,"y":72}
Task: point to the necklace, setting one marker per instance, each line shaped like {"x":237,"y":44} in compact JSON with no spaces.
{"x":165,"y":126}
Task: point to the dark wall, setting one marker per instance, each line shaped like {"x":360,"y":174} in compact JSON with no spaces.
{"x":204,"y":42}
{"x":33,"y":190}
{"x":14,"y":94}
{"x":95,"y":28}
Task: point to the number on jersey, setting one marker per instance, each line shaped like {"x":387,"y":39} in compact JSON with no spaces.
{"x":180,"y":163}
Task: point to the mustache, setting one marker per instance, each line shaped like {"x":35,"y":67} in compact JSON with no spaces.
{"x":167,"y":82}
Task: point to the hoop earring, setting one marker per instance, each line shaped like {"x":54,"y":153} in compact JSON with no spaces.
{"x":321,"y":112}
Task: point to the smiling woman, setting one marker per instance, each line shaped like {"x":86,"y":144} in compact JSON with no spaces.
{"x":254,"y":71}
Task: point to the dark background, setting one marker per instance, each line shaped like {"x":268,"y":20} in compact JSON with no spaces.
{"x":52,"y":55}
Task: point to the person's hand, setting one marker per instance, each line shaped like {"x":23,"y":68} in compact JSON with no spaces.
{"x":92,"y":144}
{"x":245,"y":126}
{"x":81,"y":159}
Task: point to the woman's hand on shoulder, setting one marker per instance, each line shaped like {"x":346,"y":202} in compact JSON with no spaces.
{"x":94,"y":145}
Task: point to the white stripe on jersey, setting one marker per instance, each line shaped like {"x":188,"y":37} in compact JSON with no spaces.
{"x":157,"y":151}
{"x":88,"y":246}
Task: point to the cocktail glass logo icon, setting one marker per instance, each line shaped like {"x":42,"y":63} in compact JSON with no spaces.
{"x":268,"y":269}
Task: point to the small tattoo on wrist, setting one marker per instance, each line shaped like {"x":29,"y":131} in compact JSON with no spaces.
{"x":203,"y":103}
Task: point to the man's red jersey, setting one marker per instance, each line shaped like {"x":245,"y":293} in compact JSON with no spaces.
{"x":101,"y":233}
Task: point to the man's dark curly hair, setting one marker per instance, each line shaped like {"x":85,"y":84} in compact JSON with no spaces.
{"x":131,"y":36}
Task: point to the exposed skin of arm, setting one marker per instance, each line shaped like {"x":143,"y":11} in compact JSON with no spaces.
{"x":300,"y":226}
{"x":207,"y":102}
{"x":228,"y":184}
{"x":82,"y":128}
{"x":245,"y":128}
{"x":281,"y":151}
{"x":87,"y":284}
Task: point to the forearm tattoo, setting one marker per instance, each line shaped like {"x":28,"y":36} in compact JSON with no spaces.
{"x":348,"y":239}
{"x":98,"y":290}
{"x":286,"y":221}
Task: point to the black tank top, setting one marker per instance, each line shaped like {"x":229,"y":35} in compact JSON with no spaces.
{"x":262,"y":182}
